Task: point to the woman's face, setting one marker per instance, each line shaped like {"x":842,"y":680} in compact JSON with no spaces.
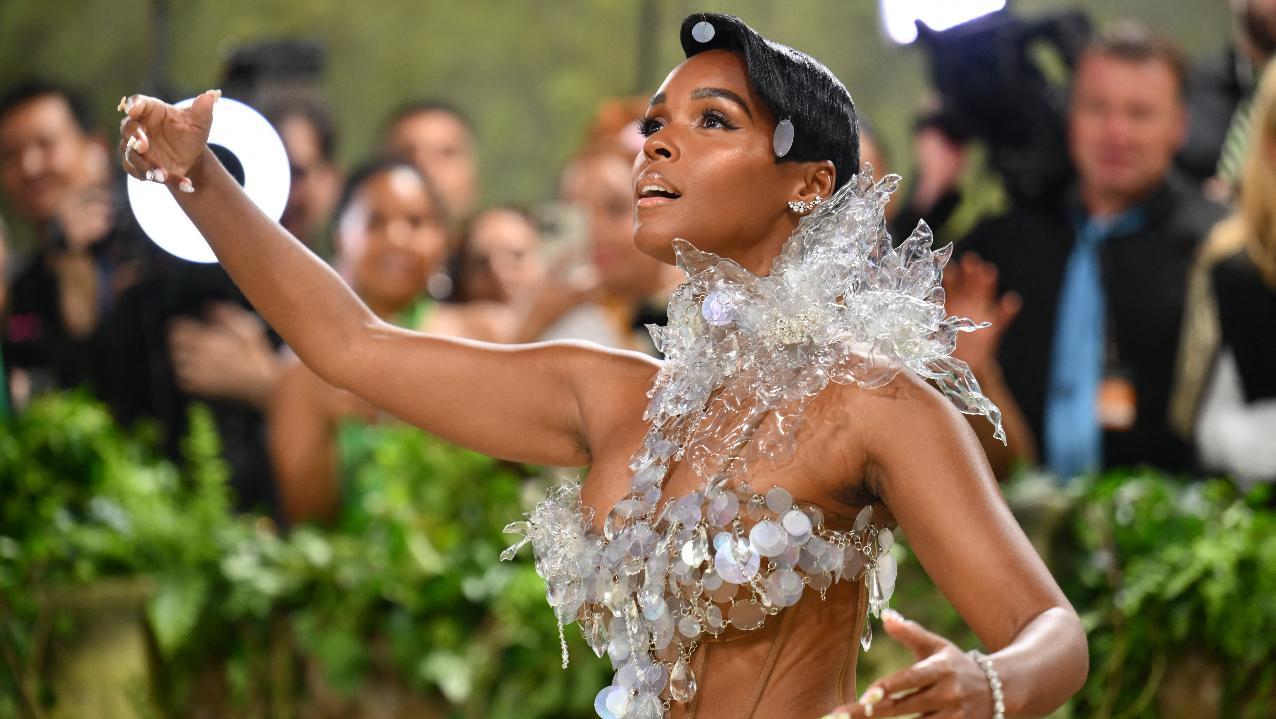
{"x":602,"y":186}
{"x":709,"y":150}
{"x":391,"y":239}
{"x":502,"y":257}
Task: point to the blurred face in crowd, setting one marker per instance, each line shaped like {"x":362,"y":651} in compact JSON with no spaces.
{"x":315,"y":181}
{"x":601,"y":185}
{"x":390,"y":240}
{"x":1126,"y":122}
{"x":709,"y":149}
{"x":442,"y":147}
{"x":45,"y":156}
{"x":502,"y":256}
{"x":1257,"y":20}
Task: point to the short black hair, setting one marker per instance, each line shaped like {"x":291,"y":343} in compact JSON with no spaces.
{"x":429,"y":105}
{"x":365,"y":171}
{"x":793,"y":85}
{"x":313,"y":111}
{"x":29,"y":90}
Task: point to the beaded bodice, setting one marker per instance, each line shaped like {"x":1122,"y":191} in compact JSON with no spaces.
{"x":744,"y":355}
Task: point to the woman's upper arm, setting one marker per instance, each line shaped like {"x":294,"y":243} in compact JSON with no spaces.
{"x":936,"y":482}
{"x":301,"y":449}
{"x":528,"y":403}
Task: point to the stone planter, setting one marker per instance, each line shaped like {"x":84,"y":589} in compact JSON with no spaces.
{"x":103,"y":668}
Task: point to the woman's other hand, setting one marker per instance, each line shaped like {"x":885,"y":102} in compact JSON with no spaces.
{"x":162,"y":143}
{"x":945,"y":682}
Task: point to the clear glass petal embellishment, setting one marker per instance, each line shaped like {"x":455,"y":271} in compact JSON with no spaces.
{"x":863,"y":518}
{"x":646,"y":706}
{"x":682,"y":682}
{"x":887,"y":570}
{"x":886,"y":539}
{"x":512,"y":550}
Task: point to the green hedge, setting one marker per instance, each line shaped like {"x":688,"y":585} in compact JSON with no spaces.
{"x":1175,"y":580}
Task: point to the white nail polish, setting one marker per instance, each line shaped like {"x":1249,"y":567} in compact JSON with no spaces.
{"x":186,"y":186}
{"x":132,"y":143}
{"x":150,"y":175}
{"x":160,"y":176}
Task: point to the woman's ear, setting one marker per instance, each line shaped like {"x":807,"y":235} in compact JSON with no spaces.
{"x":818,"y":178}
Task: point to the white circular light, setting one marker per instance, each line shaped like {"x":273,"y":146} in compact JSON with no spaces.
{"x":267,"y":176}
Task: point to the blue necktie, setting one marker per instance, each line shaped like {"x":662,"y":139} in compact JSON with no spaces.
{"x":1073,"y":437}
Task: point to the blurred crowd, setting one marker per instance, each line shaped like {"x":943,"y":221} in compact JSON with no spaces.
{"x":1133,"y":312}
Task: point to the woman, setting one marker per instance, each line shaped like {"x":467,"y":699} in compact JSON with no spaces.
{"x":390,"y":237}
{"x":741,"y":139}
{"x":1225,"y":399}
{"x":598,"y":182}
{"x":500,"y":258}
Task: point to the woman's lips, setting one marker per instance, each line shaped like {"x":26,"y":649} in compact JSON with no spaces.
{"x":655,"y":201}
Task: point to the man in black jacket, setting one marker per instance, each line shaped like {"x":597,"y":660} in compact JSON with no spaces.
{"x":1102,"y":273}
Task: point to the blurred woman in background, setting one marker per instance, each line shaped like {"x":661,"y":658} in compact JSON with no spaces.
{"x":390,"y":237}
{"x":1226,"y":394}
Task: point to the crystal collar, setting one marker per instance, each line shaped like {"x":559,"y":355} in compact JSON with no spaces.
{"x":743,"y":356}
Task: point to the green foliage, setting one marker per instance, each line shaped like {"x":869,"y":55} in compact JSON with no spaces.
{"x":1174,"y":579}
{"x":410,"y":580}
{"x":1165,"y":570}
{"x":84,"y":500}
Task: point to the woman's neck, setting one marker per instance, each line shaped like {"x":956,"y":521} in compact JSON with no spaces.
{"x":758,"y":256}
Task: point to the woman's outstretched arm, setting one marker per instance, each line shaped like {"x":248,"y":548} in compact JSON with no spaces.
{"x":519,"y":403}
{"x":937,"y":484}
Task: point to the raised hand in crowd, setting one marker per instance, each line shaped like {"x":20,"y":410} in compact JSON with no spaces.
{"x":228,"y":356}
{"x":970,"y":285}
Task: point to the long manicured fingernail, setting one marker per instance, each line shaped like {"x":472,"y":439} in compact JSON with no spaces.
{"x":217,"y":94}
{"x":186,"y":186}
{"x":836,"y":715}
{"x":122,"y":107}
{"x":160,"y":175}
{"x":873,"y":695}
{"x":893,"y":615}
{"x":150,"y":175}
{"x":132,"y":143}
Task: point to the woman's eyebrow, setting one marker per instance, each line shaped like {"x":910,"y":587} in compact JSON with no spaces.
{"x":706,"y":92}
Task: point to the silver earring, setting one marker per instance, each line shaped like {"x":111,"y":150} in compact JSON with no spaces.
{"x":801,"y":207}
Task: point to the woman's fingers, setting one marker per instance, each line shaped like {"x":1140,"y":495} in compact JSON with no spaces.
{"x":916,"y":678}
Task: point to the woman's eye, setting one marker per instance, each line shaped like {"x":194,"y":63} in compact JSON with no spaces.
{"x":648,"y":126}
{"x":715,"y":119}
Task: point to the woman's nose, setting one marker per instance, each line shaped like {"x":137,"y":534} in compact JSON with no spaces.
{"x":660,"y":145}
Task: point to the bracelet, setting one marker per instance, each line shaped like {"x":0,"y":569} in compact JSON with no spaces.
{"x":994,"y":681}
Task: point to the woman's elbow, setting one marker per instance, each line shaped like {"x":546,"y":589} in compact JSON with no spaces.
{"x":1078,"y":655}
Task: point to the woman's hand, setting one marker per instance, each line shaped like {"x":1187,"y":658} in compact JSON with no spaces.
{"x":945,"y":683}
{"x":162,"y":143}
